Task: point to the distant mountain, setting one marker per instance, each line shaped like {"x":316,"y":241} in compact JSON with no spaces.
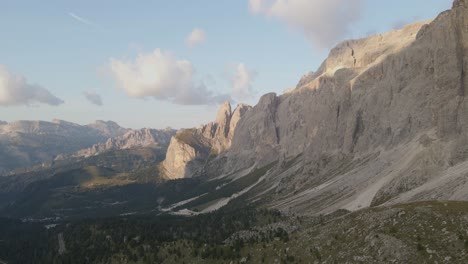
{"x":131,"y":139}
{"x":30,"y":143}
{"x":109,"y":128}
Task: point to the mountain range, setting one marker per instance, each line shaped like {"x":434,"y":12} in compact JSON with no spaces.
{"x":365,"y":150}
{"x":379,"y":123}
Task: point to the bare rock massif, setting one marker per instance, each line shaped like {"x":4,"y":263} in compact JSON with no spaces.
{"x":145,"y":137}
{"x":189,"y":149}
{"x":383,"y":120}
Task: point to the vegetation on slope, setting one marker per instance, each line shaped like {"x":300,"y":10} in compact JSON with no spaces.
{"x":424,"y":232}
{"x":227,"y":189}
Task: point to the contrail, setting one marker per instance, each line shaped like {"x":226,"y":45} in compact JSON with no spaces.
{"x":81,"y":19}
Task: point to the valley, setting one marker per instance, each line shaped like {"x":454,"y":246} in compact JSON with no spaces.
{"x":365,"y":160}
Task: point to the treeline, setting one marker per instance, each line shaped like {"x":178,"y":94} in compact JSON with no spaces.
{"x":24,"y":242}
{"x":134,"y":239}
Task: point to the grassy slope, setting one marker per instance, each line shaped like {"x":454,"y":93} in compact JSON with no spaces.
{"x":412,"y":233}
{"x":89,"y":191}
{"x":425,"y":232}
{"x":219,"y":189}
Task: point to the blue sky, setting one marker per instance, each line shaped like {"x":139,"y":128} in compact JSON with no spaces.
{"x":54,"y":53}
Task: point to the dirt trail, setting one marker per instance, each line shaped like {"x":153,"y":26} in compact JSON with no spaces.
{"x":61,"y":242}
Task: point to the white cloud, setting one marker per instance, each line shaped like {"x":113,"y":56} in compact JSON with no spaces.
{"x":256,"y":5}
{"x":15,"y":90}
{"x":81,"y":19}
{"x":93,"y":98}
{"x":324,"y":22}
{"x":195,"y":38}
{"x":161,"y":76}
{"x":242,"y":80}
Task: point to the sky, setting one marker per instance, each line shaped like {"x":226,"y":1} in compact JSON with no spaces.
{"x":171,"y":63}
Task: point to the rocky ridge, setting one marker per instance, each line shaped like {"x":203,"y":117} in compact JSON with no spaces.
{"x":145,"y":137}
{"x":189,"y":149}
{"x":382,"y":121}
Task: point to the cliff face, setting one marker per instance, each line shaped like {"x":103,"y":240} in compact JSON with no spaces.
{"x":384,"y":119}
{"x":190,"y":148}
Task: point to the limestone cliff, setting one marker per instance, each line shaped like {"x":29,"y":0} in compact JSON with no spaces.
{"x":384,"y":119}
{"x":190,"y":148}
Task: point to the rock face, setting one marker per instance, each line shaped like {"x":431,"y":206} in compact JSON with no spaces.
{"x":183,"y":158}
{"x":30,"y":143}
{"x":305,"y":79}
{"x":383,"y":120}
{"x":190,"y":148}
{"x":132,"y":139}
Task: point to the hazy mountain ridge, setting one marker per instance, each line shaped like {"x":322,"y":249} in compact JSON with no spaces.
{"x":30,"y":143}
{"x":131,"y":139}
{"x":109,"y":128}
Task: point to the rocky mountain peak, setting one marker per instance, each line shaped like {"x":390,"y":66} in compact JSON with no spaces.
{"x":222,"y":119}
{"x":236,"y":116}
{"x":460,"y":3}
{"x":224,"y":113}
{"x":266,"y":101}
{"x":189,"y":148}
{"x":358,"y":55}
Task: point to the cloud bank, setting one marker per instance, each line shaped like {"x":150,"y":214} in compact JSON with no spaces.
{"x":323,"y":22}
{"x":93,"y":98}
{"x":15,"y":90}
{"x":195,"y":38}
{"x":162,"y":76}
{"x":242,"y":80}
